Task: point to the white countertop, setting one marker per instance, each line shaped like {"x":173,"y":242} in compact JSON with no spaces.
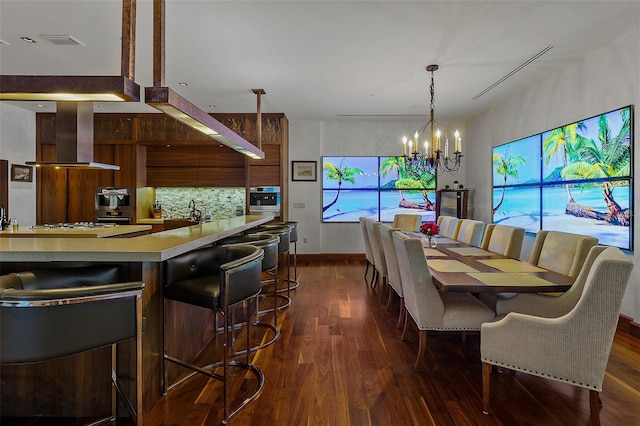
{"x":100,"y":232}
{"x":146,"y":248}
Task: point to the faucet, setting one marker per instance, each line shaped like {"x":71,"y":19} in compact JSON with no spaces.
{"x":195,"y":214}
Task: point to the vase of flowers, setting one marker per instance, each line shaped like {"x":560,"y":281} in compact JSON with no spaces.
{"x":430,"y":229}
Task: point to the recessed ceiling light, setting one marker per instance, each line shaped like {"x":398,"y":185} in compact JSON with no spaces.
{"x":182,"y":83}
{"x":40,"y":105}
{"x":28,"y":39}
{"x":212,"y":106}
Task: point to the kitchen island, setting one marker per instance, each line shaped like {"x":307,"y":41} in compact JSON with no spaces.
{"x":105,"y":231}
{"x":140,"y":259}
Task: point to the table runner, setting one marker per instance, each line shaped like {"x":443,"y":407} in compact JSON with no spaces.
{"x":471,"y":251}
{"x":509,"y":279}
{"x":448,"y":265}
{"x":511,"y":265}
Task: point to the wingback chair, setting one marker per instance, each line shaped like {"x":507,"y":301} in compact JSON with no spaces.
{"x":469,"y":231}
{"x":429,"y":308}
{"x":503,"y":239}
{"x":572,"y":348}
{"x":447,"y":225}
{"x":407,"y":222}
{"x":386,"y":234}
{"x":557,"y":251}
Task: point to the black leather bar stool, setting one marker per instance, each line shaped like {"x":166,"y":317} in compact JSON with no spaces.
{"x":269,"y":244}
{"x":293,"y":238}
{"x":48,"y":314}
{"x":284,"y":232}
{"x":217,"y":278}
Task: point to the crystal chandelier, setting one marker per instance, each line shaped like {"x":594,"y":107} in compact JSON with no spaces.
{"x":430,"y":144}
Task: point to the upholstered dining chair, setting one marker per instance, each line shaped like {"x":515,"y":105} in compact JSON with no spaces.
{"x":429,"y":308}
{"x":447,"y":225}
{"x":503,"y":239}
{"x":469,"y":231}
{"x":557,"y":251}
{"x":378,"y":254}
{"x":407,"y":222}
{"x":545,"y":305}
{"x":386,"y":234}
{"x":368,"y":252}
{"x":572,"y":348}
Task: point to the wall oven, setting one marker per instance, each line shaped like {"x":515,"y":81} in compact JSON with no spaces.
{"x":264,"y":199}
{"x":114,"y":205}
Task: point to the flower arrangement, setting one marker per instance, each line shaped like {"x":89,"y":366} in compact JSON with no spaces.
{"x":429,"y":228}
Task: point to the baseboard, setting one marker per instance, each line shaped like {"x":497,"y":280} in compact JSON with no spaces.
{"x":331,"y":256}
{"x":634,"y":329}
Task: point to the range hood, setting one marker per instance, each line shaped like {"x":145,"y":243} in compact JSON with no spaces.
{"x":74,"y":138}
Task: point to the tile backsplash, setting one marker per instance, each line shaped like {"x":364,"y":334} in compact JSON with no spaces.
{"x":220,"y":203}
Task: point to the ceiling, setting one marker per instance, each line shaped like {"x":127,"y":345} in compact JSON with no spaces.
{"x":320,"y":60}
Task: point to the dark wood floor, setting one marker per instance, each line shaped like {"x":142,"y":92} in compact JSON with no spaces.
{"x":340,"y":361}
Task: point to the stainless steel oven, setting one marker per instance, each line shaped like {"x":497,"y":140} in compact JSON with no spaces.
{"x":114,"y":205}
{"x":264,"y":199}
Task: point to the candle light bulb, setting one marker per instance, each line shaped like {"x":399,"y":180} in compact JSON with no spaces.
{"x":426,"y":147}
{"x":404,"y":145}
{"x":410,"y":146}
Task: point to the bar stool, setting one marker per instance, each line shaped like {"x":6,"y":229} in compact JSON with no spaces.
{"x":284,"y":232}
{"x":48,"y":314}
{"x":216,"y":278}
{"x":293,"y":238}
{"x":269,"y":244}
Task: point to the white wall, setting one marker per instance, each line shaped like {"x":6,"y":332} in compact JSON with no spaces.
{"x":17,"y":145}
{"x":603,"y":81}
{"x":311,"y":141}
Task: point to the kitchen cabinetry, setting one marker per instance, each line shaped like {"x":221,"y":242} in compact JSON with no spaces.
{"x":156,"y":150}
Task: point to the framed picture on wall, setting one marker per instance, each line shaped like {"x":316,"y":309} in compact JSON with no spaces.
{"x":21,"y":173}
{"x":304,"y":171}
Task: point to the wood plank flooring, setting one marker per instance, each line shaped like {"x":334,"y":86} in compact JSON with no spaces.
{"x":340,"y":361}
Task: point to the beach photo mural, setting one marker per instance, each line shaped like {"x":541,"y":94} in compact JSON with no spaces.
{"x":377,"y":188}
{"x":574,"y":178}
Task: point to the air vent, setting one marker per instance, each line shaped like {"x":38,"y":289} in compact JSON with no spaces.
{"x":518,"y":68}
{"x":62,"y":39}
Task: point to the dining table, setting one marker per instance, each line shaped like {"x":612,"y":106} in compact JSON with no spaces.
{"x":457,"y":266}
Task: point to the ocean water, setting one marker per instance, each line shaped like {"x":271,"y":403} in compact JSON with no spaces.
{"x":527,"y":208}
{"x":353,"y":204}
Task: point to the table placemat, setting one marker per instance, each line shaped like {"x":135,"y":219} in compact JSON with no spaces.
{"x":471,"y":251}
{"x":444,"y":240}
{"x":449,"y":265}
{"x":509,"y":279}
{"x":511,"y":265}
{"x":431,"y":252}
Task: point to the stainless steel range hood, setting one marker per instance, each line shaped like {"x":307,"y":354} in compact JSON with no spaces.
{"x":74,"y":138}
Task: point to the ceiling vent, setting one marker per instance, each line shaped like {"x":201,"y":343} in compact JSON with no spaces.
{"x":62,"y":39}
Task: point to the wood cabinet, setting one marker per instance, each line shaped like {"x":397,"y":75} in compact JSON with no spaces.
{"x":156,"y":150}
{"x":452,"y":202}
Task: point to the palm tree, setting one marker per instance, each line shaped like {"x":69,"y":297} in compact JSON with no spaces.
{"x":563,"y":140}
{"x":420,"y":176}
{"x":341,"y":174}
{"x":506,"y":166}
{"x":612,"y":159}
{"x":391,"y":164}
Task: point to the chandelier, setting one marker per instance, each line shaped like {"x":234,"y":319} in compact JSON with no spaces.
{"x":430,"y":144}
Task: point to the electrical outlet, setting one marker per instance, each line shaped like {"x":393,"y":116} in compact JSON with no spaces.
{"x":298,"y":205}
{"x":304,"y":241}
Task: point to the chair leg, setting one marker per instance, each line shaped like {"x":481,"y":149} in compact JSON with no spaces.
{"x":382,"y":289}
{"x":486,"y":376}
{"x":422,"y":346}
{"x":406,"y":322}
{"x":401,"y":314}
{"x":374,"y":277}
{"x":594,"y":403}
{"x":389,"y":300}
{"x":366,"y":270}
